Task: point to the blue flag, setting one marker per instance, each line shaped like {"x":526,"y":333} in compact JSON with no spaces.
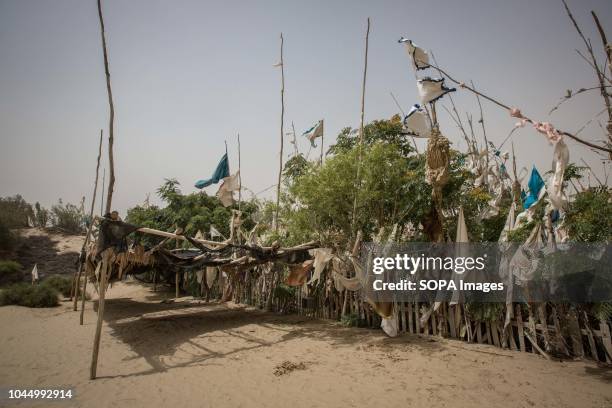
{"x":221,"y":171}
{"x":535,"y":185}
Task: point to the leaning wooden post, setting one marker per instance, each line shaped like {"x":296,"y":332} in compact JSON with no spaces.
{"x":91,"y":221}
{"x":282,"y":121}
{"x":111,"y":133}
{"x":102,"y":291}
{"x":363,"y":87}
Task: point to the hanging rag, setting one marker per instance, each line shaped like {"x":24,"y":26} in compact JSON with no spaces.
{"x":298,"y":273}
{"x":557,"y":198}
{"x":211,"y":275}
{"x":227,"y":188}
{"x":415,"y":122}
{"x":432,"y":89}
{"x":419,"y":57}
{"x":322,"y":256}
{"x":535,"y":185}
{"x":221,"y":172}
{"x":314,"y":132}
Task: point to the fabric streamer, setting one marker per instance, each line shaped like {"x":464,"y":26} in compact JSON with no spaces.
{"x":535,"y":185}
{"x":221,"y":172}
{"x":298,"y":273}
{"x":432,"y":89}
{"x":314,"y":132}
{"x":227,"y":188}
{"x":419,"y":57}
{"x":556,"y":197}
{"x":415,"y":122}
{"x":322,"y":256}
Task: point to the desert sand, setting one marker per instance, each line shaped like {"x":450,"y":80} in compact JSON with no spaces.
{"x":187,"y":354}
{"x":191,"y":354}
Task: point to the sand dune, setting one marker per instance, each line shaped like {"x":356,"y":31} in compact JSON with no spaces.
{"x":196,"y":355}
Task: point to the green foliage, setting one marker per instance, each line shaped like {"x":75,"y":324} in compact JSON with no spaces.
{"x":386,"y":131}
{"x":41,"y":216}
{"x":589,"y":216}
{"x":485,"y":312}
{"x":67,"y":217}
{"x":350,"y":320}
{"x":10,"y":272}
{"x":602,"y":311}
{"x":61,"y":284}
{"x":14,"y":212}
{"x":192,"y":212}
{"x":7,"y":238}
{"x":23,"y":294}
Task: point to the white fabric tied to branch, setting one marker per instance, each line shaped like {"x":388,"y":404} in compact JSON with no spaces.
{"x":556,"y":196}
{"x":432,"y":89}
{"x":322,"y":256}
{"x":227,"y":188}
{"x":418,"y":56}
{"x":415,"y":122}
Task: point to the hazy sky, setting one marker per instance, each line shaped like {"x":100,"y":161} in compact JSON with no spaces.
{"x":188,"y":75}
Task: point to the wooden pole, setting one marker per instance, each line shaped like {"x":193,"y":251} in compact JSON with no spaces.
{"x":102,"y":195}
{"x":102,"y":292}
{"x":363,"y":87}
{"x":111,"y":133}
{"x":321,"y":149}
{"x":239,"y":177}
{"x":91,"y":210}
{"x":280,"y":170}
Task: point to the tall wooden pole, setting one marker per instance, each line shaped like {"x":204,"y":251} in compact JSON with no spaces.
{"x":102,"y":293}
{"x":363,"y":88}
{"x":91,"y":210}
{"x":282,"y":122}
{"x":239,"y":177}
{"x":102,"y":195}
{"x":111,"y":133}
{"x":321,"y":149}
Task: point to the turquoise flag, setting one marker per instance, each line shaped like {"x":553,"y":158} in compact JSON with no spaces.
{"x":221,"y":171}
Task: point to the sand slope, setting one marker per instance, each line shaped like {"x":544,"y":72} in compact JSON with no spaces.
{"x":194,"y":355}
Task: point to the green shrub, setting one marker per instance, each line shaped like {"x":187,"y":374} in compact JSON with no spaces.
{"x":10,"y":272}
{"x":7,"y":238}
{"x":22,"y":294}
{"x":67,"y":217}
{"x":60,"y":283}
{"x":15,"y":211}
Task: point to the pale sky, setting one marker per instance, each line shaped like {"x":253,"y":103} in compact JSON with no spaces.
{"x":189,"y":75}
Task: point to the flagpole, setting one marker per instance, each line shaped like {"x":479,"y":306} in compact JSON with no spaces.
{"x":280,"y":170}
{"x":321,"y":149}
{"x":239,"y":177}
{"x":365,"y":71}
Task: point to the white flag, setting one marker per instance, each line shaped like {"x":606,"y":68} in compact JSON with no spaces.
{"x":35,"y":273}
{"x":227,"y":188}
{"x":415,"y":122}
{"x":420,"y":58}
{"x":314,"y":132}
{"x":214,"y":232}
{"x":432,"y":89}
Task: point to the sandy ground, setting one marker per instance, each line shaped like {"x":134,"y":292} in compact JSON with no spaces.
{"x":194,"y":355}
{"x":187,"y":354}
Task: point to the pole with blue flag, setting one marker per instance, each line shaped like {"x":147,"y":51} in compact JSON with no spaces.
{"x":220,"y":172}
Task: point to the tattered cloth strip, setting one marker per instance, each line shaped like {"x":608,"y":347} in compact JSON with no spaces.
{"x":504,"y":264}
{"x":419,"y":57}
{"x":227,"y":188}
{"x":314,"y":132}
{"x":546,"y":128}
{"x":390,"y":325}
{"x":524,"y":263}
{"x":299,"y":273}
{"x":341,"y":282}
{"x":211,"y":275}
{"x":535,"y":185}
{"x":432,"y":89}
{"x":556,"y":196}
{"x":461,"y":251}
{"x":221,"y":172}
{"x":322,"y":256}
{"x":415,"y":122}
